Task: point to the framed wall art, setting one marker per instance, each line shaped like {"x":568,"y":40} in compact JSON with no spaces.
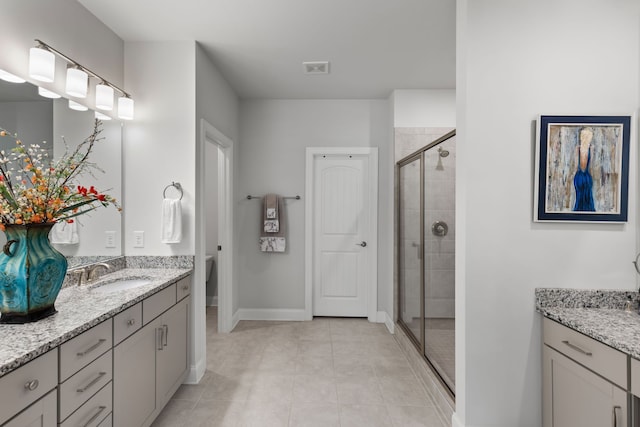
{"x":582,"y":169}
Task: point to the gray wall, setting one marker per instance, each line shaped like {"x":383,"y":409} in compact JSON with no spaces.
{"x":274,"y":135}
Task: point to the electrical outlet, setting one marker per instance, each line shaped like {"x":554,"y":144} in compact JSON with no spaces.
{"x":138,"y":239}
{"x":109,"y":239}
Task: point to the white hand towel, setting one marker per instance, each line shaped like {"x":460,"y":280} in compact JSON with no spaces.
{"x":64,"y":233}
{"x":171,"y":221}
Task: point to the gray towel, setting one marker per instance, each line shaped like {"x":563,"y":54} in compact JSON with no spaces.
{"x":273,"y":238}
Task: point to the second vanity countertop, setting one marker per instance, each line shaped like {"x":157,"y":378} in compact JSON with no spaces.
{"x":597,"y":314}
{"x":79,"y":308}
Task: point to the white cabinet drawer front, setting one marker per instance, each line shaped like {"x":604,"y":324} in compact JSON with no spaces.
{"x":85,"y":348}
{"x":126,"y":323}
{"x":27,"y":384}
{"x":92,"y":413}
{"x":599,"y":357}
{"x":158,"y":303}
{"x":183,"y":288}
{"x":39,"y":414}
{"x":84,"y":384}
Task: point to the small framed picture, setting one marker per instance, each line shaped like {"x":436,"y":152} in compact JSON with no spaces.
{"x":582,"y":169}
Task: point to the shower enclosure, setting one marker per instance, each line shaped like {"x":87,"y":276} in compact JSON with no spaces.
{"x":426,"y":253}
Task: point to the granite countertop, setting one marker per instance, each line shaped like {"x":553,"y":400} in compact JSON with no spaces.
{"x":79,"y":308}
{"x":595,"y":313}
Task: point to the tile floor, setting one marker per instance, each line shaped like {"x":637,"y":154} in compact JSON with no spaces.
{"x":328,"y":372}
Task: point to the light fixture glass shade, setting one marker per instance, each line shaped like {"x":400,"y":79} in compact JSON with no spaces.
{"x":77,"y":106}
{"x":125,"y":108}
{"x":101,"y":116}
{"x":11,"y":78}
{"x":104,"y":97}
{"x":77,"y":82}
{"x":47,"y":93}
{"x":42,"y":64}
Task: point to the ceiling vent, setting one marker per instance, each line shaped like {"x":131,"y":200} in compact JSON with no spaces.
{"x":316,"y":67}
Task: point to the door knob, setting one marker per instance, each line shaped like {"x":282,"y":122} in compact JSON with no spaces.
{"x":363,"y":244}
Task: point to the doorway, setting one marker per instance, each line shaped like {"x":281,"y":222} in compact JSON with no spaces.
{"x":210,"y":136}
{"x":341,"y":232}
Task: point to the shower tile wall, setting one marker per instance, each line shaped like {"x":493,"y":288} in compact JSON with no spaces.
{"x":440,"y":250}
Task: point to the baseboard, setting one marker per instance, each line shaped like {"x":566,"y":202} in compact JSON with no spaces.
{"x":212,"y":301}
{"x":455,"y":421}
{"x":196,"y":372}
{"x":383,"y":317}
{"x":271,"y":314}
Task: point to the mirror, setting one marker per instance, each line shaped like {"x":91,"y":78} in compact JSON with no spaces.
{"x":36,"y":119}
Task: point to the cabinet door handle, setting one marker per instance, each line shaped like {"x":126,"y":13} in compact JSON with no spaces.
{"x":160,"y":338}
{"x":96,"y":415}
{"x":93,"y":347}
{"x":165,"y":334}
{"x":615,"y":416}
{"x":95,"y":380}
{"x":131,"y":322}
{"x":576,"y":348}
{"x":185,"y":287}
{"x":32,"y":385}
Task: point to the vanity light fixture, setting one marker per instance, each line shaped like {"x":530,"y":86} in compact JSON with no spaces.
{"x":47,"y":93}
{"x":101,"y":116}
{"x":77,"y":106}
{"x":78,"y":80}
{"x":42,"y":63}
{"x":104,"y":97}
{"x":125,"y":108}
{"x":11,"y":78}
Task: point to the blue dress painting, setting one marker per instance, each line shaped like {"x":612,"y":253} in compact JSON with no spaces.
{"x":582,"y":181}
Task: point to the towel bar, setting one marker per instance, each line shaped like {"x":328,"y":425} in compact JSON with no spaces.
{"x":250,"y":197}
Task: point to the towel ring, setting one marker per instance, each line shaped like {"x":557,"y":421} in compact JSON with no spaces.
{"x":175,"y":185}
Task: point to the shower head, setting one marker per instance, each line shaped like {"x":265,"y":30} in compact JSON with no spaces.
{"x":443,"y":153}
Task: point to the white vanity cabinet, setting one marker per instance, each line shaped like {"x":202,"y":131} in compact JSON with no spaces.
{"x":21,"y":393}
{"x":585,"y":382}
{"x":150,"y":364}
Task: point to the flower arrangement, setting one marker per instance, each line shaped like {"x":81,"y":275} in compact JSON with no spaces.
{"x":35,"y":188}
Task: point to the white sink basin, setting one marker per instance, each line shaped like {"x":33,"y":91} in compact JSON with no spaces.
{"x":121,"y":285}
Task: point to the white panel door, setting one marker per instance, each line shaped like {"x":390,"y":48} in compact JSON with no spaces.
{"x":342,"y":215}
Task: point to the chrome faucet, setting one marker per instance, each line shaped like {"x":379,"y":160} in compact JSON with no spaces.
{"x":80,"y":272}
{"x":92,"y":270}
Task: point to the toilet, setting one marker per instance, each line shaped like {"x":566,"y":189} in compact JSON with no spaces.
{"x":211,"y":281}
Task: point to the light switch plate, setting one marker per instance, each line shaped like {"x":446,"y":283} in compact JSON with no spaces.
{"x":109,"y":239}
{"x":138,"y":239}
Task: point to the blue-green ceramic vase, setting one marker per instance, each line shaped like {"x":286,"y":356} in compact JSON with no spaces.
{"x":31,"y":274}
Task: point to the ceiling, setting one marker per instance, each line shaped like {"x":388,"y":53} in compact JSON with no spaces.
{"x":374,"y":46}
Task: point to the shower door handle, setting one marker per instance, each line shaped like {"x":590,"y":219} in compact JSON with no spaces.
{"x":363,"y":244}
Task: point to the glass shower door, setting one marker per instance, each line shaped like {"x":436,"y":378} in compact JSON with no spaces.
{"x":410,"y":250}
{"x":426,"y":253}
{"x":439,"y":259}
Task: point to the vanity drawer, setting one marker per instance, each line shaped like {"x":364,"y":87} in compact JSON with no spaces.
{"x":126,"y":323}
{"x":600,"y":358}
{"x":92,"y":413}
{"x":183,"y":288}
{"x":85,"y":348}
{"x":27,"y":384}
{"x":158,"y":303}
{"x":84,"y":384}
